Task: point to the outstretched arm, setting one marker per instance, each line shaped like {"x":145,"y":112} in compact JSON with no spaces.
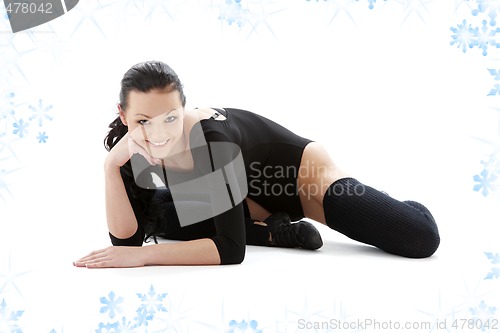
{"x":195,"y":252}
{"x":227,"y":247}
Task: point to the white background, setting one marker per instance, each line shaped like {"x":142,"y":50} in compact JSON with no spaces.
{"x":392,"y":101}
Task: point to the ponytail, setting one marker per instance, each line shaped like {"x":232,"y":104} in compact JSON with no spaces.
{"x":116,"y":132}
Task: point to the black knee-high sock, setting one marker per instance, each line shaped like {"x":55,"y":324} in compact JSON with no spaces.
{"x":364,"y":214}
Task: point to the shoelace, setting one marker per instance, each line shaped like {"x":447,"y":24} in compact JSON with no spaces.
{"x":286,"y":236}
{"x":146,"y":239}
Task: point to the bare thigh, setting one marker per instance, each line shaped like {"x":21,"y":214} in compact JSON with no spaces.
{"x":317,"y":172}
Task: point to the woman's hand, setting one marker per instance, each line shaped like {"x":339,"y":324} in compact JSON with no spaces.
{"x":123,"y":151}
{"x":113,"y":256}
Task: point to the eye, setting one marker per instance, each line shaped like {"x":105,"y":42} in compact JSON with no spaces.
{"x":170,"y":119}
{"x":143,"y":122}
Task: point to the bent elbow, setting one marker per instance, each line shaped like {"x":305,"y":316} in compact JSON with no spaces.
{"x":135,"y":240}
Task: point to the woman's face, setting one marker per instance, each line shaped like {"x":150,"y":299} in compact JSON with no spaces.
{"x":155,"y":121}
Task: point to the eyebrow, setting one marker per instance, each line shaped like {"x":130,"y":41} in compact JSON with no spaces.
{"x":146,"y":116}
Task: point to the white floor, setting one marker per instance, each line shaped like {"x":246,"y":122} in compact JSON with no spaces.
{"x":343,"y":287}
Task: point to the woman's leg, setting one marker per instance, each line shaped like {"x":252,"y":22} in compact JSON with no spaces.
{"x":277,"y":230}
{"x":255,"y":211}
{"x":258,"y":232}
{"x":363,"y":213}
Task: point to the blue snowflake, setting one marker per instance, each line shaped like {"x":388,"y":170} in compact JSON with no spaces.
{"x":232,"y":12}
{"x":493,"y":161}
{"x":495,"y":260}
{"x":483,"y":314}
{"x":112,"y":305}
{"x":151,"y":302}
{"x":42,"y":137}
{"x":9,"y":319}
{"x":143,"y":318}
{"x":486,"y":37}
{"x":495,"y":90}
{"x":20,"y":128}
{"x":40,"y":112}
{"x":125,"y":326}
{"x":495,"y":73}
{"x":106,"y":328}
{"x":496,"y":76}
{"x":371,"y":3}
{"x":7,"y":105}
{"x":492,"y":7}
{"x":464,"y":36}
{"x":6,"y":111}
{"x":485,"y":182}
{"x":243,"y":326}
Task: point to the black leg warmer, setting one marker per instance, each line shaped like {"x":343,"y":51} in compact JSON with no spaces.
{"x":364,"y":214}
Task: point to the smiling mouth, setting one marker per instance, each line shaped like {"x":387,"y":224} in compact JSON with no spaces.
{"x":158,"y":144}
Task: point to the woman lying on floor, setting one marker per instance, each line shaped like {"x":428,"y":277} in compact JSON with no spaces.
{"x":223,"y":178}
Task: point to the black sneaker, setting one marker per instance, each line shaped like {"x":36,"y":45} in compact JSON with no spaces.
{"x":300,"y":234}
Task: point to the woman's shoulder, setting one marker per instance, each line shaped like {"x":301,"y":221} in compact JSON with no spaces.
{"x":205,"y":124}
{"x":205,"y":113}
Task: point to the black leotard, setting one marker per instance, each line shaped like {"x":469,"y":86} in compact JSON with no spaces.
{"x":271,"y":155}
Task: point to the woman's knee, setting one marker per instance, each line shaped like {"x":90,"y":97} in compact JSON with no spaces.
{"x":427,"y":241}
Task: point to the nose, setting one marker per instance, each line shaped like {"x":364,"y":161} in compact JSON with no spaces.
{"x":155,"y":132}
